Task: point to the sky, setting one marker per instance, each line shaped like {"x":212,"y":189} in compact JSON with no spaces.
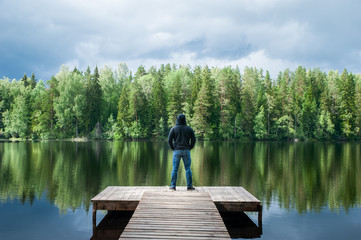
{"x":39,"y":36}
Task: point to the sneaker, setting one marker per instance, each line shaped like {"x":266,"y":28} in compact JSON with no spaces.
{"x":191,"y":188}
{"x":172,"y":188}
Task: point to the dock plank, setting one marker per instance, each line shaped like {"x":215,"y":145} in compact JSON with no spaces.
{"x":226,"y":199}
{"x":192,"y":215}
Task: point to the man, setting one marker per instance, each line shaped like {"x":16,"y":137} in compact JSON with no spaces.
{"x":181,"y":140}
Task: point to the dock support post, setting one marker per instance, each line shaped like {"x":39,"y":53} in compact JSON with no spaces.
{"x":259,"y":208}
{"x":94,"y":216}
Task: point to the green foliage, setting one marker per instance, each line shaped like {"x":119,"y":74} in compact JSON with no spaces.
{"x":219,"y":103}
{"x":71,"y":104}
{"x":285,"y":127}
{"x":175,"y":96}
{"x":204,"y":120}
{"x":347,"y":107}
{"x":324,"y":128}
{"x":309,"y":114}
{"x":93,"y":94}
{"x":260,"y":124}
{"x":158,"y":105}
{"x":16,"y":119}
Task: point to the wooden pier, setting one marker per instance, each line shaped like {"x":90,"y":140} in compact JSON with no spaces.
{"x":163,"y":213}
{"x":178,"y":215}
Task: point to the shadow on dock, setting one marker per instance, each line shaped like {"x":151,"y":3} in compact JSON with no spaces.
{"x":238,"y":224}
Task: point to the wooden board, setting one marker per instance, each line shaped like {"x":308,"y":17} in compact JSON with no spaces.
{"x":217,"y":194}
{"x":176,"y":215}
{"x":226,"y":199}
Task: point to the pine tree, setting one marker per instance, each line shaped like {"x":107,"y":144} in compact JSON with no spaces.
{"x":298,"y":87}
{"x":93,"y":98}
{"x":124,"y":118}
{"x":174,"y":106}
{"x":140,"y":72}
{"x":270,"y":102}
{"x":159,"y":103}
{"x":32,"y":81}
{"x":249,"y":100}
{"x":196,"y":84}
{"x":204,"y":118}
{"x":347,"y":108}
{"x":228,"y":98}
{"x":358,"y":104}
{"x":25,"y":80}
{"x":139,"y":110}
{"x":309,"y":114}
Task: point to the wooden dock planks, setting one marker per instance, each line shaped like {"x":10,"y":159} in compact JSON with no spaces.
{"x":226,"y":199}
{"x":217,"y":194}
{"x":176,"y":215}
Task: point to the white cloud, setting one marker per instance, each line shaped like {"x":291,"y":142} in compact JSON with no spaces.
{"x":268,"y":33}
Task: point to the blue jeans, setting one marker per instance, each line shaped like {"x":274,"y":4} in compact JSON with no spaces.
{"x":186,"y":156}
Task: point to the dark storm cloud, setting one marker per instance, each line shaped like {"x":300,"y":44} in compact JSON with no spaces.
{"x":39,"y":36}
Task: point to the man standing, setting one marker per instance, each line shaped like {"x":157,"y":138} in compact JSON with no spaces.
{"x":181,"y":140}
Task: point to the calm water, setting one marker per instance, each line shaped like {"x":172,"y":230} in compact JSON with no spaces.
{"x":308,"y":190}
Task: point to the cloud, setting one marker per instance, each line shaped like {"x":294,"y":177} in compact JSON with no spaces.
{"x":39,"y":36}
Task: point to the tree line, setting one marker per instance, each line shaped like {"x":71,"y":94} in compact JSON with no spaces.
{"x":220,"y":103}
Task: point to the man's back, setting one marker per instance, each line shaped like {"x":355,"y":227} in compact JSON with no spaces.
{"x":181,"y":136}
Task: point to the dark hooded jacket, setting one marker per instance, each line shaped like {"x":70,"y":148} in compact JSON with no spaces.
{"x":181,"y":136}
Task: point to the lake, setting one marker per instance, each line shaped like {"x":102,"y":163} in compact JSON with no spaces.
{"x":308,"y":190}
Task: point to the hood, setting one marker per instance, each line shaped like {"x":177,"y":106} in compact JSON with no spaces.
{"x":181,"y":119}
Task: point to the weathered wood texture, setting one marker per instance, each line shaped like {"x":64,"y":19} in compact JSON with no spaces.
{"x":176,"y":215}
{"x":226,"y":199}
{"x":127,"y":198}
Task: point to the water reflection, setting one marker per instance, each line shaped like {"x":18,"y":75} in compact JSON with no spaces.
{"x":304,"y":176}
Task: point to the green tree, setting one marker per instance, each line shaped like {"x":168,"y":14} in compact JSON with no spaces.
{"x":309,"y":114}
{"x":195,"y":85}
{"x":71,"y":104}
{"x":324,"y":127}
{"x":204,"y":120}
{"x":33,"y":81}
{"x":124,"y":117}
{"x":284,"y":127}
{"x":37,"y":96}
{"x":16,"y":118}
{"x":139,"y":110}
{"x":6,"y":98}
{"x":111,"y":86}
{"x":229,"y":100}
{"x":25,"y":80}
{"x":298,"y":87}
{"x":159,"y":103}
{"x":93,"y":99}
{"x":175,"y":99}
{"x":43,"y":115}
{"x":347,"y":107}
{"x":260,"y":129}
{"x":358,"y":104}
{"x":249,"y":100}
{"x":270,"y":102}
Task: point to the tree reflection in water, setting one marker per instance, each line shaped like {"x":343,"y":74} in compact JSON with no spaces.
{"x":304,"y":176}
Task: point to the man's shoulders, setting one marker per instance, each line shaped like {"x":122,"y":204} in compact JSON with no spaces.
{"x":190,"y":128}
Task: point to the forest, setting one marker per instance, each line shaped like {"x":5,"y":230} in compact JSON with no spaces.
{"x":220,"y":104}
